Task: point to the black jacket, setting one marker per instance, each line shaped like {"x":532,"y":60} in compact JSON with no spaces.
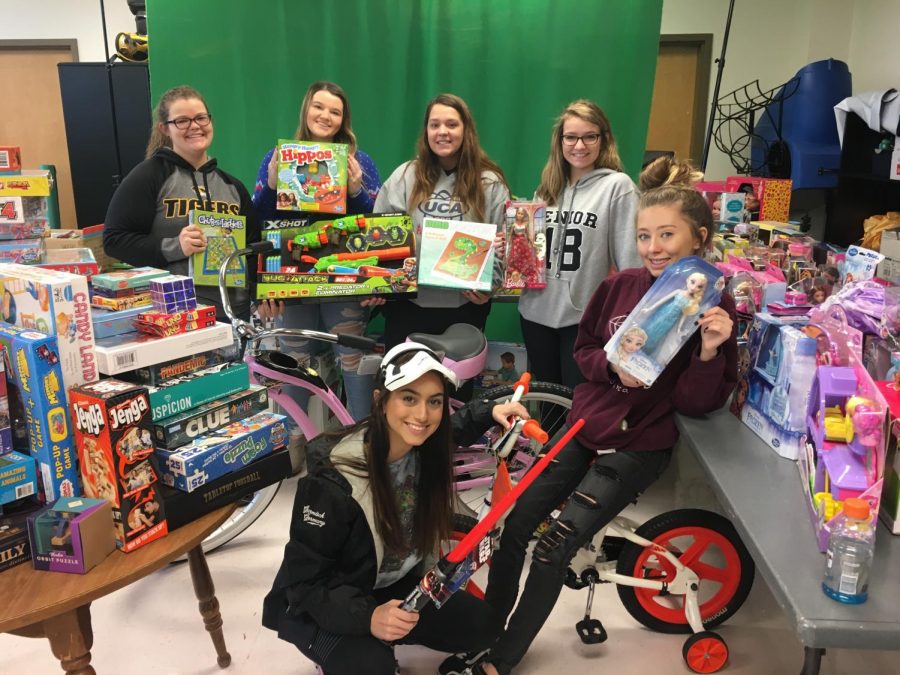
{"x":329,"y":567}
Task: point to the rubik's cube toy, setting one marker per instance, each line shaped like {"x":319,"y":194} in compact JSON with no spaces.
{"x":173,"y":293}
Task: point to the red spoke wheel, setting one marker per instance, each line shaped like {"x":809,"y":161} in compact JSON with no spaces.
{"x":705,"y":652}
{"x":459,"y":528}
{"x":705,"y":542}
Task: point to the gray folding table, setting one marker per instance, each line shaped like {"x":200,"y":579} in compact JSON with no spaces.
{"x":762,"y":495}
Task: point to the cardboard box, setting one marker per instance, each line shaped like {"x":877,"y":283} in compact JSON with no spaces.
{"x":14,"y":546}
{"x":74,"y":535}
{"x":72,"y":260}
{"x":116,"y":455}
{"x":183,"y":428}
{"x":35,"y":362}
{"x":133,"y":278}
{"x":27,"y":184}
{"x":185,"y":507}
{"x":773,"y":195}
{"x":5,"y":431}
{"x":107,"y":324}
{"x":23,"y":217}
{"x":20,"y":251}
{"x":142,"y":300}
{"x":88,"y":237}
{"x":131,"y":351}
{"x":154,"y":375}
{"x":351,"y":256}
{"x":232,"y":447}
{"x":55,"y":303}
{"x":17,"y":477}
{"x":312,"y":176}
{"x":457,"y":254}
{"x":188,"y":391}
{"x":10,"y":159}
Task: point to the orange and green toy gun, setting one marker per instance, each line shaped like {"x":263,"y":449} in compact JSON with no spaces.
{"x":362,"y":258}
{"x":349,"y":224}
{"x":309,"y":240}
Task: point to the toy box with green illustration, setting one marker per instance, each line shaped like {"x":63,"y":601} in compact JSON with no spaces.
{"x":526,"y":245}
{"x":73,"y":535}
{"x":53,"y":303}
{"x":34,"y":363}
{"x":224,"y":234}
{"x":665,"y":318}
{"x":457,"y":254}
{"x":114,"y":438}
{"x":222,"y":451}
{"x":361,"y":255}
{"x":188,"y":391}
{"x":312,"y":176}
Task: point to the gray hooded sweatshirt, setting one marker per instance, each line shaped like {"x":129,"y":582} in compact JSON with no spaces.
{"x":591,"y":228}
{"x":394,"y":197}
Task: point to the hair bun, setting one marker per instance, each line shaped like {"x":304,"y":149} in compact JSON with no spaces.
{"x":667,"y":170}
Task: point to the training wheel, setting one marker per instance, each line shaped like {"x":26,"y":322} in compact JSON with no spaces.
{"x":705,"y":652}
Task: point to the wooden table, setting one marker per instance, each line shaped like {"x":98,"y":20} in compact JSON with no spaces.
{"x":57,"y":605}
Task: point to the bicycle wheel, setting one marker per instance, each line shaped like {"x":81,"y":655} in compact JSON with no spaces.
{"x":546,"y":402}
{"x":248,"y":510}
{"x":708,"y":544}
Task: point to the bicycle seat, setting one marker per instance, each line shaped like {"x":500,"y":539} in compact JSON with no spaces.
{"x":464,"y":348}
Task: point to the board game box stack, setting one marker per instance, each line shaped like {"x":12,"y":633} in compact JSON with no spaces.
{"x":360,"y":255}
{"x":312,"y":176}
{"x":114,"y":439}
{"x":224,"y":234}
{"x":72,"y":260}
{"x":24,"y":213}
{"x":124,"y":289}
{"x":86,"y":237}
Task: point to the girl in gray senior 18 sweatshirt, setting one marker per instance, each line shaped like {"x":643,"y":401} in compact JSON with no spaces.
{"x":451,"y":178}
{"x":590,"y":228}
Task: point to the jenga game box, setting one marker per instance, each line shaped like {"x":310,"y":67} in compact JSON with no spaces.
{"x":114,"y":438}
{"x":54,"y":303}
{"x":373,"y":254}
{"x":312,"y":176}
{"x":33,"y":361}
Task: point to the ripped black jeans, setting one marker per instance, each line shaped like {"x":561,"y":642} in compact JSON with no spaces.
{"x":599,"y":492}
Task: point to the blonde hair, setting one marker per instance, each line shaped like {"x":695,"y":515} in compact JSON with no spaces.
{"x":694,"y":306}
{"x":691,"y":205}
{"x":345,"y":134}
{"x":556,"y":171}
{"x":668,"y":171}
{"x":473,"y":161}
{"x":161,"y":115}
{"x":634,"y":330}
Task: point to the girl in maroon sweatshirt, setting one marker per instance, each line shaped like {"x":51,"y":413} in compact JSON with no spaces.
{"x":629,"y":429}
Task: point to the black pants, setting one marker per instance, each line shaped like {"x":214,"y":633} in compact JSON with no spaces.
{"x":600,"y":488}
{"x":551,"y":353}
{"x":402,"y":317}
{"x":464,"y":623}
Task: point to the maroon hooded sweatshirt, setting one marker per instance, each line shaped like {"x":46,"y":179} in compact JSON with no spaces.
{"x":624,"y":418}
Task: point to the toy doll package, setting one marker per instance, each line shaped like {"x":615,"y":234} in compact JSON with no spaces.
{"x":312,"y":176}
{"x":663,"y":320}
{"x":526,"y":245}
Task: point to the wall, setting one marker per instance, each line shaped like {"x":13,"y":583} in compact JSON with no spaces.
{"x":873,"y":45}
{"x":65,"y":19}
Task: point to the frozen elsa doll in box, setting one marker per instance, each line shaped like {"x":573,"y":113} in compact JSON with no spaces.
{"x":672,"y":311}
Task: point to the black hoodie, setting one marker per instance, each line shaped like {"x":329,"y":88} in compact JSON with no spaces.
{"x":151,"y":206}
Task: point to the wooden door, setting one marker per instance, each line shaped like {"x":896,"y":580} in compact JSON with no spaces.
{"x":32,"y":117}
{"x":680,"y":95}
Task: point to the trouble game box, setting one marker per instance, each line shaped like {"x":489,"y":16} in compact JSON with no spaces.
{"x":54,"y":303}
{"x":183,"y":428}
{"x":312,"y":176}
{"x":116,"y":455}
{"x":222,"y":451}
{"x":34,"y":360}
{"x":350,"y":256}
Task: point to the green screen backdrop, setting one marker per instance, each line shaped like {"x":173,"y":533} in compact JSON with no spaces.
{"x":517,"y":63}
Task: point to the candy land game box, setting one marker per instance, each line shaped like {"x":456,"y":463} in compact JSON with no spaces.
{"x":312,"y":176}
{"x":350,"y":256}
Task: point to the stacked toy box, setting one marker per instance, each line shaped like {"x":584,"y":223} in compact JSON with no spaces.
{"x":24,"y":215}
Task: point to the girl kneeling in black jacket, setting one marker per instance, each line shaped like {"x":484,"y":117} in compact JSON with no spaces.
{"x":368,"y":520}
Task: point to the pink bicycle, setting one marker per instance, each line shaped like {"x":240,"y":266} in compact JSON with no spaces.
{"x":464,"y":350}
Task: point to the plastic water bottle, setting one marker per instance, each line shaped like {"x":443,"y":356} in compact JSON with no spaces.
{"x":848,"y":559}
{"x":803,"y":370}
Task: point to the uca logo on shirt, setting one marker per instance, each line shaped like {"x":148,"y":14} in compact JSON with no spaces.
{"x":442,"y":205}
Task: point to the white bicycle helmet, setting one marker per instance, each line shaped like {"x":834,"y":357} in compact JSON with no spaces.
{"x":398,"y":375}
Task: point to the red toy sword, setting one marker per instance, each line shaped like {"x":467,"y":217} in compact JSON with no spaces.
{"x":448,"y":576}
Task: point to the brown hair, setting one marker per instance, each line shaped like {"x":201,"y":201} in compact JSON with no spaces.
{"x":473,"y":161}
{"x":691,"y":205}
{"x":161,"y":115}
{"x":556,"y":171}
{"x":345,"y":133}
{"x":434,"y":492}
{"x":667,"y":170}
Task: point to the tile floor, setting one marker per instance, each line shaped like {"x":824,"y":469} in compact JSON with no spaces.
{"x":153,"y":626}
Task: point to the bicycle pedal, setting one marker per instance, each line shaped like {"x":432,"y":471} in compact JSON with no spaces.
{"x":591,"y":631}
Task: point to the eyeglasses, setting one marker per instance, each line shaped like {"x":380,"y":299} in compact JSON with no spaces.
{"x":571,"y":140}
{"x":202,"y":120}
